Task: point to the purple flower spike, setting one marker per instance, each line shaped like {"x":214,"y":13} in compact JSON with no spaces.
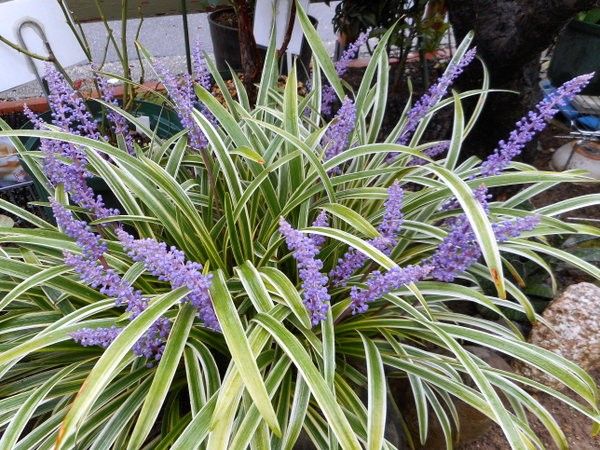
{"x":120,"y":124}
{"x":315,"y":295}
{"x":182,"y":95}
{"x":202,"y":75}
{"x":341,"y":66}
{"x":380,"y":284}
{"x":68,"y":109}
{"x":328,"y":95}
{"x":431,"y":98}
{"x":338,"y":134}
{"x":73,"y":174}
{"x":515,"y":227}
{"x":93,"y":273}
{"x":322,"y":220}
{"x":170,"y":265}
{"x":102,"y":337}
{"x":88,"y":241}
{"x":432,"y":152}
{"x":328,"y":98}
{"x":530,"y":125}
{"x":389,"y":228}
{"x":392,"y":216}
{"x":152,"y":343}
{"x":456,"y":253}
{"x":460,"y":249}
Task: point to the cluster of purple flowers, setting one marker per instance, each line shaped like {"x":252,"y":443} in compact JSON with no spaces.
{"x":70,"y":115}
{"x":460,"y":249}
{"x":337,"y":136}
{"x":91,"y":270}
{"x":69,"y":112}
{"x":314,"y":282}
{"x":120,"y":124}
{"x":92,"y":337}
{"x":202,"y":75}
{"x":533,"y":123}
{"x":182,"y":94}
{"x":88,"y":241}
{"x":328,"y":95}
{"x":389,"y":228}
{"x":342,"y":64}
{"x":322,"y":220}
{"x":431,"y":98}
{"x":380,"y":284}
{"x":432,"y":152}
{"x":170,"y":265}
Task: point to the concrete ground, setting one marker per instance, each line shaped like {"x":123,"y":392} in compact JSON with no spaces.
{"x":163,"y":37}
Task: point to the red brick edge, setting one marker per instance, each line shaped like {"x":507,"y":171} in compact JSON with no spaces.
{"x":40,"y":104}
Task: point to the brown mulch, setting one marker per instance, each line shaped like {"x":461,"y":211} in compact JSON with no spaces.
{"x":576,"y":427}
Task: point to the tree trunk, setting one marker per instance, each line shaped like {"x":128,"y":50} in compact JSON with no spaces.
{"x":250,"y":57}
{"x":510,"y":36}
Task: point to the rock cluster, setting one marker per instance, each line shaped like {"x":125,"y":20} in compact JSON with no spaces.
{"x":573,"y":331}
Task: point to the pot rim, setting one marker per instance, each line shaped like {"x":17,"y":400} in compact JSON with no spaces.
{"x":212,"y":16}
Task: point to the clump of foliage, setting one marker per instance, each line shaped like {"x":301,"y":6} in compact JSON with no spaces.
{"x":266,"y":265}
{"x":412,"y":20}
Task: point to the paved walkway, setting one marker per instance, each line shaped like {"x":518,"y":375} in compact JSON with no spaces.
{"x":163,"y":37}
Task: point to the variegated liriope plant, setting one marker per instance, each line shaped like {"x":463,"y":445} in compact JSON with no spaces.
{"x":270,"y":272}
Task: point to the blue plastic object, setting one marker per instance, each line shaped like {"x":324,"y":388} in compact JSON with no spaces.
{"x":588,"y":121}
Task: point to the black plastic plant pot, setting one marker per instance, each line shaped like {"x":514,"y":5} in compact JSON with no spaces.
{"x":577,"y":52}
{"x":163,"y":120}
{"x":226,"y":47}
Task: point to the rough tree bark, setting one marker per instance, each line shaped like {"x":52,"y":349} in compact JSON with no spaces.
{"x":510,"y":36}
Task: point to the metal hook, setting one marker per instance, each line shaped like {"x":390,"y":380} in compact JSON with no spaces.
{"x":37,"y":28}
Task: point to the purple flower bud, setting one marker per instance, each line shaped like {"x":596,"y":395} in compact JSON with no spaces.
{"x":534,"y":122}
{"x":314,"y":283}
{"x":380,"y":284}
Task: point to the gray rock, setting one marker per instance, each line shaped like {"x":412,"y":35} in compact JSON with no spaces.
{"x":573,"y":332}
